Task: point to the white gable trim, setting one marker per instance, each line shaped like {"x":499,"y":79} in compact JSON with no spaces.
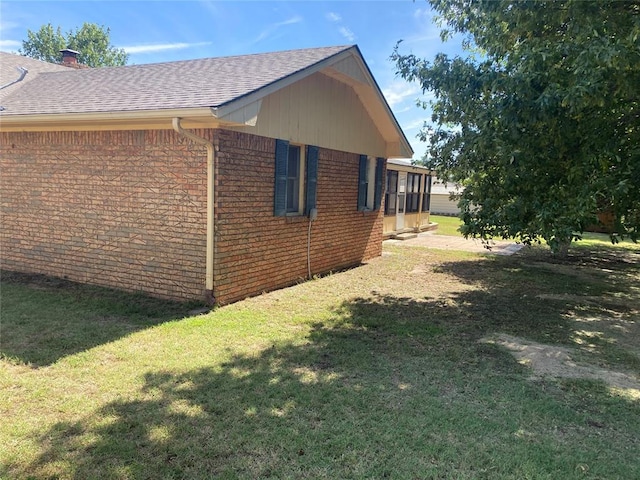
{"x":347,"y":67}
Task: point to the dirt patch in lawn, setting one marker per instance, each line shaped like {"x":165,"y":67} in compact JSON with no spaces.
{"x":621,"y":302}
{"x":555,"y":361}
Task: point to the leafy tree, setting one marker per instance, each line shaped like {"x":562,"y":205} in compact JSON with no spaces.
{"x":91,"y":40}
{"x":542,"y":128}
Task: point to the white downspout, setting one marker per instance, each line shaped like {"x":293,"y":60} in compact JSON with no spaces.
{"x":209,"y":283}
{"x":23,"y":73}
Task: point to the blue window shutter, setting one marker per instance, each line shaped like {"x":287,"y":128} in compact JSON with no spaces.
{"x":312,"y":178}
{"x":280,"y":196}
{"x":362,"y":184}
{"x":377,"y":196}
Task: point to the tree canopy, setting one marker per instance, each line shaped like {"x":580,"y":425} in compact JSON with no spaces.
{"x":542,"y":126}
{"x":91,"y":41}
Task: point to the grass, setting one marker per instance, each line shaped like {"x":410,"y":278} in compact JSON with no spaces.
{"x":602,"y":240}
{"x":376,"y":372}
{"x":446,"y":225}
{"x":449,"y":226}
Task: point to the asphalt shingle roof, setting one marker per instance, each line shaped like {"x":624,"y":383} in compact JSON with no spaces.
{"x":207,"y":82}
{"x":9,"y":64}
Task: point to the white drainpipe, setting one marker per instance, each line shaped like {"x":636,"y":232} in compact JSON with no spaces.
{"x":210,"y":206}
{"x":23,"y":73}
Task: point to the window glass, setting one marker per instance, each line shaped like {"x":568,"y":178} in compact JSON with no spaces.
{"x":293,"y":179}
{"x":370,"y":183}
{"x":295,"y":186}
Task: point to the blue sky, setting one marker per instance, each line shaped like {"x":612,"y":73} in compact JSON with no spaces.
{"x":161,"y":31}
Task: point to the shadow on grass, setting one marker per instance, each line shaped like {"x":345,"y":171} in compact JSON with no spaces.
{"x":589,"y":300}
{"x":362,"y":398}
{"x":389,"y":387}
{"x":46,"y":318}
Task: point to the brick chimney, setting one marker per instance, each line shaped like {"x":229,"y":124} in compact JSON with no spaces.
{"x":70,"y":59}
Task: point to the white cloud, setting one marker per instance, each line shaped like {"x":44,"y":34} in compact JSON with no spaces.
{"x":423,"y":14}
{"x":424,"y":39}
{"x":211,"y":6}
{"x":10,"y":45}
{"x":348,"y":34}
{"x":398,"y":92}
{"x":161,"y":47}
{"x":414,"y":124}
{"x":7,"y":25}
{"x":275,"y":26}
{"x":292,"y":20}
{"x":404,"y":109}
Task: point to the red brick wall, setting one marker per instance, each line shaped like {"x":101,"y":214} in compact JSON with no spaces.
{"x":256,"y":251}
{"x":127,"y":209}
{"x":116,"y":208}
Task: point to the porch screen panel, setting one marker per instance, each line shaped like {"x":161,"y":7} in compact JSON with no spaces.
{"x":413,"y":192}
{"x":390,"y":194}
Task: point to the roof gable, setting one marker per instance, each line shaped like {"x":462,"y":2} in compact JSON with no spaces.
{"x":209,"y":91}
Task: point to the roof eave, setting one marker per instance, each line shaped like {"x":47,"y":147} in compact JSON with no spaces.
{"x":403,"y":166}
{"x":399,"y":149}
{"x":139,"y":119}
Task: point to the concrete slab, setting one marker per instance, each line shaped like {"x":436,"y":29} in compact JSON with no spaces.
{"x":445,"y":242}
{"x":405,"y":236}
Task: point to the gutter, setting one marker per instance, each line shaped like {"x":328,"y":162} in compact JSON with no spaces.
{"x":209,"y":282}
{"x":161,"y":115}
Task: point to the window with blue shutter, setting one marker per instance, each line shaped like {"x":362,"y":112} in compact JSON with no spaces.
{"x":296,"y":178}
{"x":370,"y":179}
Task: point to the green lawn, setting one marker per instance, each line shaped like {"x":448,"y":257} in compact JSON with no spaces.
{"x":375,"y":372}
{"x":449,"y":226}
{"x":446,"y":225}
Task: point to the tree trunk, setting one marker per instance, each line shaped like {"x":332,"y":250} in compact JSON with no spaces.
{"x":562,"y":248}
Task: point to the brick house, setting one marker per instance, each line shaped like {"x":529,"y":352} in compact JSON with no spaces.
{"x":216,"y":178}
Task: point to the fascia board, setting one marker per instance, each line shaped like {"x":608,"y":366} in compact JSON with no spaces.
{"x":405,"y":150}
{"x":86,"y":120}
